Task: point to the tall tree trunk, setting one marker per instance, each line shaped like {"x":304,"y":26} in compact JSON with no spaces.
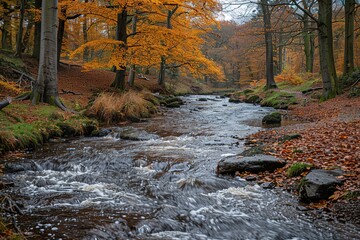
{"x":19,"y":43}
{"x":86,"y":53}
{"x":37,"y":34}
{"x":25,"y":45}
{"x":327,"y":63}
{"x":6,"y":30}
{"x":349,"y":36}
{"x":162,"y":72}
{"x":121,"y":35}
{"x":270,"y":82}
{"x":131,"y":78}
{"x":309,"y":43}
{"x":61,"y":31}
{"x":46,"y":86}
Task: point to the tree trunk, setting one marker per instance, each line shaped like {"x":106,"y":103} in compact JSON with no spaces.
{"x":162,"y":72}
{"x":25,"y":45}
{"x":6,"y":30}
{"x":46,"y":86}
{"x":86,"y":53}
{"x":349,"y":36}
{"x":309,"y":43}
{"x":131,"y":78}
{"x":327,"y":63}
{"x":270,"y":82}
{"x":60,"y":34}
{"x":19,"y":43}
{"x":37,"y":34}
{"x":121,"y":35}
{"x":161,"y":80}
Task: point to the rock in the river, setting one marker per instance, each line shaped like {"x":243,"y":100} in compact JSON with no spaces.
{"x":234,"y":100}
{"x":136,"y":135}
{"x":272,"y":118}
{"x":202,"y":99}
{"x":267,"y":185}
{"x":319,"y":184}
{"x":253,"y":164}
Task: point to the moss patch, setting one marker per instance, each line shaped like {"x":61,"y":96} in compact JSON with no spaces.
{"x":279,"y":100}
{"x":298,"y":168}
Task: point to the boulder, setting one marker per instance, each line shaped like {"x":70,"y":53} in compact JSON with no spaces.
{"x":234,"y":100}
{"x":272,"y":118}
{"x":253,"y":99}
{"x":253,"y":164}
{"x":202,"y":99}
{"x":319,"y":184}
{"x":134,"y":134}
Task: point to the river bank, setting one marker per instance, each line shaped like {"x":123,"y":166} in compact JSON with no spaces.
{"x":327,"y":137}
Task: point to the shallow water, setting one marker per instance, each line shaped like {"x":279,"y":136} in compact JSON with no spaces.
{"x":164,"y":187}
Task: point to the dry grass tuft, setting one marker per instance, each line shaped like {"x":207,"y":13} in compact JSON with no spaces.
{"x":112,"y":107}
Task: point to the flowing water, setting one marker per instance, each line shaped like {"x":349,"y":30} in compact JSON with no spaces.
{"x":163,"y":187}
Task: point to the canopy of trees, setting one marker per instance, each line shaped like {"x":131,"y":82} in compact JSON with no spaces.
{"x":174,"y":37}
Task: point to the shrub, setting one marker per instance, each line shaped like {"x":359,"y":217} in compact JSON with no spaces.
{"x":289,"y":76}
{"x":298,"y":168}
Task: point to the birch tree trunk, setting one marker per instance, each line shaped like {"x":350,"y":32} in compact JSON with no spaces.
{"x":46,"y":86}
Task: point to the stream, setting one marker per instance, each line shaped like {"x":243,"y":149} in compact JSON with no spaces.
{"x":162,"y":187}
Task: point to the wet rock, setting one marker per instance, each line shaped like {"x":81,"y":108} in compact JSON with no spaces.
{"x":272,"y":118}
{"x":302,"y":208}
{"x":173,"y":105}
{"x":319,"y":184}
{"x":140,"y":163}
{"x":234,"y":100}
{"x":19,"y":167}
{"x":253,"y":164}
{"x":253,"y":99}
{"x":267,"y":185}
{"x":134,"y":134}
{"x":179,"y":167}
{"x":173,"y":102}
{"x":250,"y":178}
{"x":202,"y":99}
{"x":104,"y":132}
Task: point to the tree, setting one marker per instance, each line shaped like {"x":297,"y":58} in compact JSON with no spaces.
{"x":46,"y":86}
{"x":349,"y":36}
{"x":37,"y":34}
{"x":326,"y":51}
{"x":270,"y":82}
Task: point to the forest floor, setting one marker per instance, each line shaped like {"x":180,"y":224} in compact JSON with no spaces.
{"x":329,"y":138}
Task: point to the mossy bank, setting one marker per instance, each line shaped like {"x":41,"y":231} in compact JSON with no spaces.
{"x":25,"y":126}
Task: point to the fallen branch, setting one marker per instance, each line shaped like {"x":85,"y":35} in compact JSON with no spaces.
{"x":5,"y":102}
{"x":24,"y":75}
{"x":69,"y":92}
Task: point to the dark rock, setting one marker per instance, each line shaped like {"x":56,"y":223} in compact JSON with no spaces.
{"x":136,"y":135}
{"x":173,"y":105}
{"x":234,"y":100}
{"x":104,"y":132}
{"x":20,"y":167}
{"x":267,"y":185}
{"x":272,"y":118}
{"x":67,"y":130}
{"x":302,"y":208}
{"x":250,"y":178}
{"x":202,"y":99}
{"x":253,"y":164}
{"x":89,"y":128}
{"x":319,"y":184}
{"x":253,"y":99}
{"x":253,"y":151}
{"x":134,"y":119}
{"x":174,"y":99}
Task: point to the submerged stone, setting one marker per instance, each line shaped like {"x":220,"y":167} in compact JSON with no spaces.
{"x":253,"y":164}
{"x":272,"y":118}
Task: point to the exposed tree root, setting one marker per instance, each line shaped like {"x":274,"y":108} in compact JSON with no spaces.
{"x":60,"y":105}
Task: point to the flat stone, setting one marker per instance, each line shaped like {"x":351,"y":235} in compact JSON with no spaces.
{"x":319,"y":184}
{"x":267,"y":185}
{"x":253,"y":164}
{"x":134,"y":134}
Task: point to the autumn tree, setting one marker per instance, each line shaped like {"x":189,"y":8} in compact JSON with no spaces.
{"x":349,"y":36}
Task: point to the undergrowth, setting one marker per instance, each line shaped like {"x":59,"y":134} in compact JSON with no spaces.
{"x":114,"y":107}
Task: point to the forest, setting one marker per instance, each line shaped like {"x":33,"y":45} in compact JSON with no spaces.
{"x":139,"y":72}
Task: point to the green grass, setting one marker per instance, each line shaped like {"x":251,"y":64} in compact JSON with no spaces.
{"x":297,"y":169}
